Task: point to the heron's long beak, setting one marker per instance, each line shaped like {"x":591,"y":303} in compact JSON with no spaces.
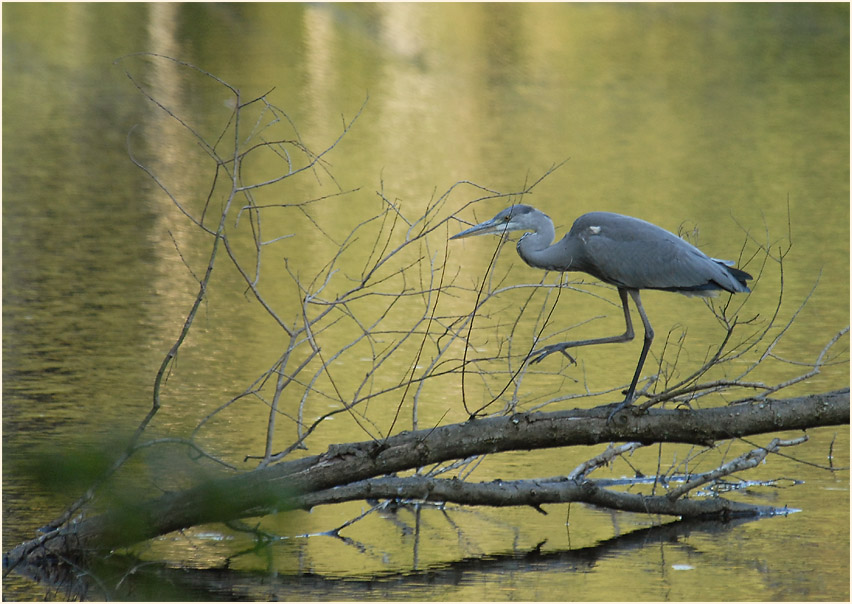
{"x":484,"y":228}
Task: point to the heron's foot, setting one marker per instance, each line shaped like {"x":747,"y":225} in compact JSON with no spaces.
{"x":627,"y":402}
{"x":538,"y":355}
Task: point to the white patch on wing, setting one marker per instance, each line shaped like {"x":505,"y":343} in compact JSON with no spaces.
{"x":595,"y":229}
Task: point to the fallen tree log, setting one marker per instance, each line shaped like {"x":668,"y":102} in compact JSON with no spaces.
{"x":287,"y":485}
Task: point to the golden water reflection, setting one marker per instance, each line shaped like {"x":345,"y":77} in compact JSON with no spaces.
{"x":729,"y":122}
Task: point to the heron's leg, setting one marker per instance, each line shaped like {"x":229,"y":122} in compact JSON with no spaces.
{"x":538,"y":355}
{"x":646,"y":345}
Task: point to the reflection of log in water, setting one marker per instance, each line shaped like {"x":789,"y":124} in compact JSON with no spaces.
{"x":126,"y":577}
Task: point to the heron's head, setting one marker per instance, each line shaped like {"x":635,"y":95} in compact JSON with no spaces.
{"x":514,"y":218}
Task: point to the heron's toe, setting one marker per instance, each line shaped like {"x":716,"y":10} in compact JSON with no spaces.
{"x":570,"y":358}
{"x":539,"y":355}
{"x":536,"y":357}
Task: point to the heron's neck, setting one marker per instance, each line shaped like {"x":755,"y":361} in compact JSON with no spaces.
{"x":536,"y":250}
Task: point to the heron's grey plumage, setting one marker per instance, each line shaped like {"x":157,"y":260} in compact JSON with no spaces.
{"x":626,"y":252}
{"x":629,"y":252}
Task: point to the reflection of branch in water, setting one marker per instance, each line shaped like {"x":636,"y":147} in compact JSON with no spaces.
{"x":216,"y":584}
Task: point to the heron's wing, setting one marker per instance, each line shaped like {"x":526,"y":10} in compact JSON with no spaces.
{"x":628,"y":252}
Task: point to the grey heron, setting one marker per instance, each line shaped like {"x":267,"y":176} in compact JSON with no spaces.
{"x":626,"y":252}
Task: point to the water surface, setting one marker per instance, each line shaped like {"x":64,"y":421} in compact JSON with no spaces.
{"x":729,"y":123}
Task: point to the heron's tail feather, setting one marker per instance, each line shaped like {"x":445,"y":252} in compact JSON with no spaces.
{"x":741,"y":277}
{"x":731,"y":280}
